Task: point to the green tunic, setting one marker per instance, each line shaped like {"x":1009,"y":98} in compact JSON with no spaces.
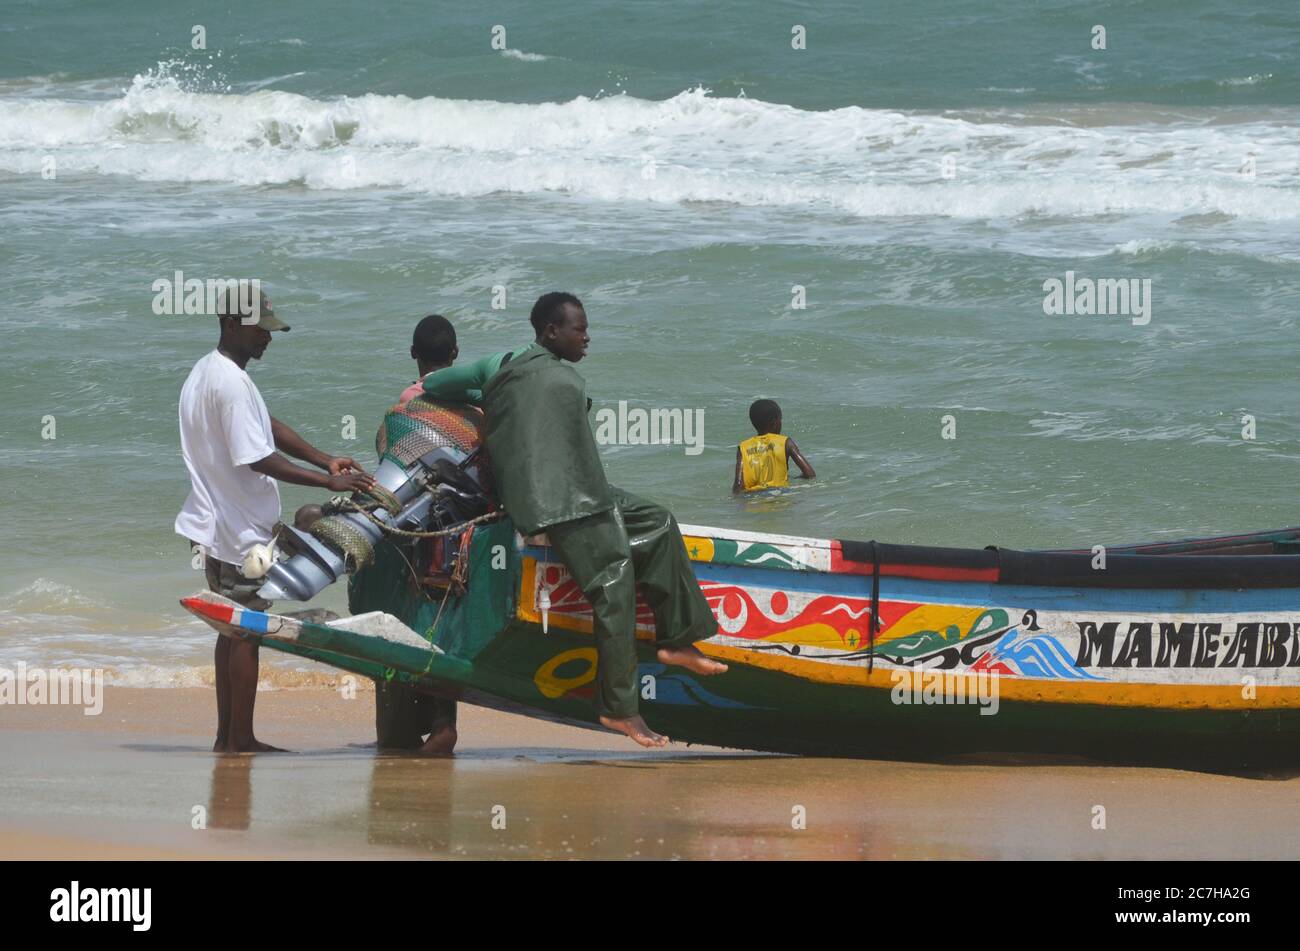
{"x":544,"y":457}
{"x":549,"y":476}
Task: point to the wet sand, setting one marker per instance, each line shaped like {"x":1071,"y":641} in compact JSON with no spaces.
{"x":139,"y":781}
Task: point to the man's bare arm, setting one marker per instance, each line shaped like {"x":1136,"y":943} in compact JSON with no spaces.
{"x":282,"y":470}
{"x":792,"y":452}
{"x":291,"y":444}
{"x":737,"y":484}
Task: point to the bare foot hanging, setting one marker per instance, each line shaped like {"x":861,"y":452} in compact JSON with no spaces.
{"x":691,"y":659}
{"x":635,"y":728}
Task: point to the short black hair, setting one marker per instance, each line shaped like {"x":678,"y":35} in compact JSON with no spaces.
{"x":548,"y":309}
{"x":434,"y":339}
{"x":763,"y":413}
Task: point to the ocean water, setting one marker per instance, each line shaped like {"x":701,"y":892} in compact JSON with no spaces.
{"x":919,"y":169}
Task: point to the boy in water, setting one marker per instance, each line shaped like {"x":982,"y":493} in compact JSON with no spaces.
{"x":763,"y":461}
{"x":550,"y":478}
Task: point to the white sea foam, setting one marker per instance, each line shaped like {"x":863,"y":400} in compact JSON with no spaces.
{"x":45,"y":594}
{"x":1143,"y":246}
{"x":524,"y":57}
{"x":275,"y":673}
{"x":692,"y":147}
{"x":1254,"y":80}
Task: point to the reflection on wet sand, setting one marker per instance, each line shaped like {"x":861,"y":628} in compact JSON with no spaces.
{"x":523,"y":789}
{"x":546,"y":804}
{"x":231,"y":801}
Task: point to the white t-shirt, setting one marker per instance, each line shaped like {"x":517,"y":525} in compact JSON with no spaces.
{"x":224,"y":427}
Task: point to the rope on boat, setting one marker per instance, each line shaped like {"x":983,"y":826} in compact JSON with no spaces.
{"x":873,"y":623}
{"x":347,"y":538}
{"x":456,"y":529}
{"x":357,"y":546}
{"x":385,"y":498}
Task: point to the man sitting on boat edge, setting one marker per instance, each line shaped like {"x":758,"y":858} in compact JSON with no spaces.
{"x":550,"y":479}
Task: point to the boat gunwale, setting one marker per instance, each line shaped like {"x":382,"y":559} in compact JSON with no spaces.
{"x":1179,"y":566}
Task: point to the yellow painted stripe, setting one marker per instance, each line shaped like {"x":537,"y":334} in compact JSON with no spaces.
{"x":930,"y":617}
{"x":699,"y":548}
{"x":527,"y":592}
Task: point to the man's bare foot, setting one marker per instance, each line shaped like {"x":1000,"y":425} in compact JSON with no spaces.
{"x":635,"y":727}
{"x":691,"y":658}
{"x":260,"y":747}
{"x":440,"y":743}
{"x":253,"y":746}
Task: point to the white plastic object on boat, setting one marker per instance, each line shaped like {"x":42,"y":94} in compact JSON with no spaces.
{"x":258,"y":561}
{"x":544,"y":605}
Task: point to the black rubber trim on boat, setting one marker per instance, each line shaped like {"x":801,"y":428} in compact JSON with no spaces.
{"x":870,"y":552}
{"x":1231,"y":572}
{"x":1075,"y":569}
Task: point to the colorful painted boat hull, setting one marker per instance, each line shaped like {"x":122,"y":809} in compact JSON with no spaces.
{"x":969,"y":652}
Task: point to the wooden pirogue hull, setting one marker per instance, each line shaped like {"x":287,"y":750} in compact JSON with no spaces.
{"x":1175,"y":652}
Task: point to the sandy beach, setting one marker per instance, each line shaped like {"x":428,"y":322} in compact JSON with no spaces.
{"x":139,"y":781}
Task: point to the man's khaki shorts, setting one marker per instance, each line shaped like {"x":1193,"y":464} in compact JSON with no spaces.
{"x":227,"y":580}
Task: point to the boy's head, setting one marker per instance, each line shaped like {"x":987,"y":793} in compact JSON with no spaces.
{"x":766,"y":416}
{"x":433,"y":344}
{"x":561,"y":325}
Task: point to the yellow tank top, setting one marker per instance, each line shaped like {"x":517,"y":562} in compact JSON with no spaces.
{"x":762,"y":462}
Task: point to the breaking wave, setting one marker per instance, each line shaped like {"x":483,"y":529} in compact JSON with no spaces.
{"x":692,"y":147}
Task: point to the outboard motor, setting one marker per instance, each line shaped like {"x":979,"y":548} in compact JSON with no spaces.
{"x":441,"y":489}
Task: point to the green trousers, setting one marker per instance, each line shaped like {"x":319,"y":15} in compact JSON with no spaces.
{"x":610,"y":555}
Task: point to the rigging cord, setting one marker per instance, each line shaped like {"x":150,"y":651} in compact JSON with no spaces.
{"x":874,"y":623}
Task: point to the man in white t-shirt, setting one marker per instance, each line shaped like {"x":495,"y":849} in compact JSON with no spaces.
{"x":230,"y":444}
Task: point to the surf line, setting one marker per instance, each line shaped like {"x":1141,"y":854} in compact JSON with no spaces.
{"x":912,"y":685}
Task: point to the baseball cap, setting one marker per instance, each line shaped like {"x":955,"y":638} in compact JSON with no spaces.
{"x":235,"y":303}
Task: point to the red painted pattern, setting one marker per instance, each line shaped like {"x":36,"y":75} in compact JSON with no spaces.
{"x":764,"y":613}
{"x":568,"y":600}
{"x":841,"y":614}
{"x":218,"y":612}
{"x":986,"y":662}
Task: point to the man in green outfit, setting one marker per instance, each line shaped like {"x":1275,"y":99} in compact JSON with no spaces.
{"x":550,"y":478}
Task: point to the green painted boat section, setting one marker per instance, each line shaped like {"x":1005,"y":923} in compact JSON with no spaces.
{"x":442,"y":671}
{"x":460,"y":627}
{"x":727,"y":551}
{"x":384,"y":653}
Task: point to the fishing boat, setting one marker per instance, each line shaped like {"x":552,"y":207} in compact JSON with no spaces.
{"x":1182,"y":651}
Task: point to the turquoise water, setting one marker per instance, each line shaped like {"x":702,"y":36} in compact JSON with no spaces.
{"x":920,"y":171}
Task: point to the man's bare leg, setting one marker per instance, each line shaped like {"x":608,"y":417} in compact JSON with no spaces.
{"x":221,"y":658}
{"x":635,"y":727}
{"x":691,"y":658}
{"x":243,"y":694}
{"x":441,"y":742}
